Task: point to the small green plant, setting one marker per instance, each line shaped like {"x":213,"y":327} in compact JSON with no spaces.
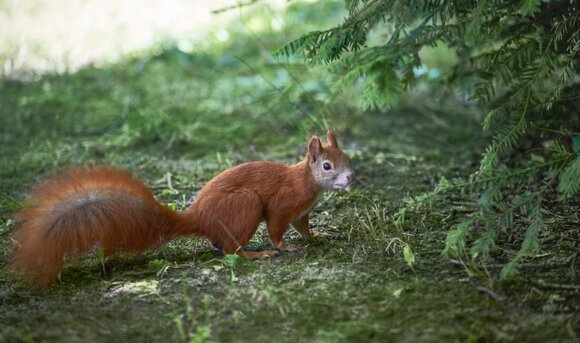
{"x":229,"y":262}
{"x":409,"y":256}
{"x":102,"y":259}
{"x":400,"y":218}
{"x":162,"y":266}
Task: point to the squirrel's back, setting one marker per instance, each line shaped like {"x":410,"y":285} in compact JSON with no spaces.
{"x":85,"y":210}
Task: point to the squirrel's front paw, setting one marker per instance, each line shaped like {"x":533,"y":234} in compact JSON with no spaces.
{"x":259,"y":255}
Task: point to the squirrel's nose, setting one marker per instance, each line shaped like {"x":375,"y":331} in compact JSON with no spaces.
{"x":350,"y":177}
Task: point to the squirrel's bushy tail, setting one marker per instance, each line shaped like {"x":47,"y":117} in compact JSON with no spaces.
{"x":83,"y":211}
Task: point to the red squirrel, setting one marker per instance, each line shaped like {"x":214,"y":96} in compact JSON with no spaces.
{"x":105,"y":208}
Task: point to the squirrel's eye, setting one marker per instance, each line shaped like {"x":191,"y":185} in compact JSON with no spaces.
{"x":326,"y":166}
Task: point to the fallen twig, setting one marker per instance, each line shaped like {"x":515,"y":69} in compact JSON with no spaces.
{"x":500,"y":266}
{"x":543,"y":284}
{"x":491,"y":293}
{"x":231,"y":7}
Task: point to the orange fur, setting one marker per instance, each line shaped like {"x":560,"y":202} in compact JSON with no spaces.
{"x":86,"y":209}
{"x":104,"y":208}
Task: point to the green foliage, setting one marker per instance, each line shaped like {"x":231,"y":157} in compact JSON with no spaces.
{"x":570,"y":179}
{"x":162,"y":266}
{"x":229,"y":262}
{"x":519,"y":59}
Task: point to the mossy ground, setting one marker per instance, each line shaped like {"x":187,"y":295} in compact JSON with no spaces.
{"x":176,"y":119}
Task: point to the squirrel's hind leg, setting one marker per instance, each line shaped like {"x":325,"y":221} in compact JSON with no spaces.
{"x":233,"y":229}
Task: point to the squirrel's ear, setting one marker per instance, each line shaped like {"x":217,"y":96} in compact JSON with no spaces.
{"x":331,"y":140}
{"x":314,"y":148}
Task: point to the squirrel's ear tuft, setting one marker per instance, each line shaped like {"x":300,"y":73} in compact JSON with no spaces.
{"x":314,"y":148}
{"x":331,"y":140}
